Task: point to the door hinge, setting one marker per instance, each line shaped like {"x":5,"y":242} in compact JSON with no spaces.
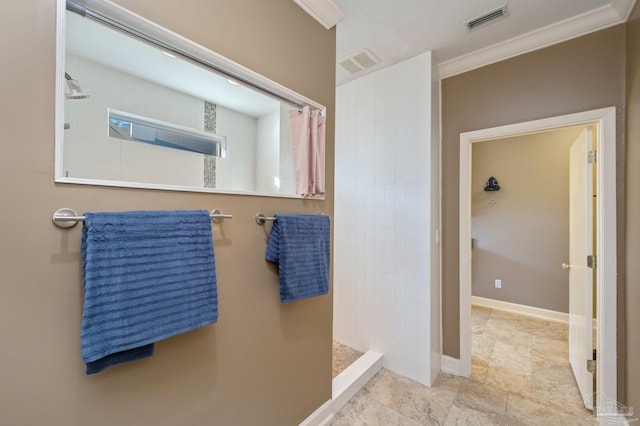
{"x":591,"y":363}
{"x":591,"y":262}
{"x":592,"y":157}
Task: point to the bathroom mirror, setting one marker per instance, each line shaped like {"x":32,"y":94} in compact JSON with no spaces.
{"x":165,"y":113}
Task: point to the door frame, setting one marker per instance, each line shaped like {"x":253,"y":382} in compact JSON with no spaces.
{"x":606,"y":272}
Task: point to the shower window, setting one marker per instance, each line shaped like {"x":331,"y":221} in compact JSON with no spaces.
{"x":136,"y":128}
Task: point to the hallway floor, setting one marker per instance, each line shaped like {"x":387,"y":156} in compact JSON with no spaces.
{"x":520,"y":376}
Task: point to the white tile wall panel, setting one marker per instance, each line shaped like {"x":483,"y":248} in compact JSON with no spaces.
{"x":382,"y":222}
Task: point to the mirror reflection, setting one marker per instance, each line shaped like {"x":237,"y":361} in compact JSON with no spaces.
{"x":135,"y":114}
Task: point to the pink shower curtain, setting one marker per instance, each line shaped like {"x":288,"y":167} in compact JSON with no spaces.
{"x":308,"y":132}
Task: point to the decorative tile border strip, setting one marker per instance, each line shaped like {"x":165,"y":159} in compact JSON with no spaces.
{"x":209,"y":161}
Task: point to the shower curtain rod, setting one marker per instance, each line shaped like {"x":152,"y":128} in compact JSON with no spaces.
{"x":124,"y":21}
{"x":66,"y":218}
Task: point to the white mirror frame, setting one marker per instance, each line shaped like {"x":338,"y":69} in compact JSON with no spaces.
{"x":174,"y":43}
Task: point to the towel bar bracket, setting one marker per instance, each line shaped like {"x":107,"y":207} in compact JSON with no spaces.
{"x":68,"y":218}
{"x":261,"y":218}
{"x":217,"y":216}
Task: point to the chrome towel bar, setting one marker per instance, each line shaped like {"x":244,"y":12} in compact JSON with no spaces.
{"x":67,"y":218}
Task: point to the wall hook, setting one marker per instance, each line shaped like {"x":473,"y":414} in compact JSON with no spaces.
{"x":492,"y":185}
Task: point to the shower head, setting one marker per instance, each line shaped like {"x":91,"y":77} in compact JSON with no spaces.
{"x":74,"y":88}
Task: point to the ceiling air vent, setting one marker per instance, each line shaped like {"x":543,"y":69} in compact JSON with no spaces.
{"x":486,"y":18}
{"x":359,"y":61}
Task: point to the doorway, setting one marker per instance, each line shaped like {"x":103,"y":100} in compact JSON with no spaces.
{"x":604,"y":119}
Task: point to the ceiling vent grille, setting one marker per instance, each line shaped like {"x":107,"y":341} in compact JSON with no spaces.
{"x":486,"y":18}
{"x":359,"y":61}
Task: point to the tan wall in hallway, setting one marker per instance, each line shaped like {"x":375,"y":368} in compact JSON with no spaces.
{"x":632,"y":211}
{"x":521,"y":232}
{"x":578,"y":75}
{"x":263,"y":362}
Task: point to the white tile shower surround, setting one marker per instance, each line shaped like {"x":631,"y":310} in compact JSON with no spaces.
{"x":520,"y":376}
{"x":383,"y":244}
{"x":85,"y":150}
{"x":87,"y":144}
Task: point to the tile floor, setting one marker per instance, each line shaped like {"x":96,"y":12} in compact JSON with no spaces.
{"x":520,"y":376}
{"x":343,"y":356}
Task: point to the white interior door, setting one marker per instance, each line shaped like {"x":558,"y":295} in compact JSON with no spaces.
{"x":580,"y":275}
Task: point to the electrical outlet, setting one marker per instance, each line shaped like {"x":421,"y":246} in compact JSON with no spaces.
{"x":498,"y":283}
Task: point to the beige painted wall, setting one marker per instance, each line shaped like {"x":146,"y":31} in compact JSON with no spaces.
{"x":632,"y":212}
{"x":578,"y":75}
{"x":263,"y":362}
{"x":521,"y":233}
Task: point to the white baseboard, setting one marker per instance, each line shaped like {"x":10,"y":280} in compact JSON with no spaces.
{"x":614,"y":419}
{"x":530,"y":311}
{"x":354,"y":377}
{"x":345,"y":386}
{"x":322,"y":416}
{"x":450,"y":365}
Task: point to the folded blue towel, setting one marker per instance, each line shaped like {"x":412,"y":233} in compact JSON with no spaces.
{"x":119,"y":358}
{"x":148,"y":275}
{"x":300,"y":244}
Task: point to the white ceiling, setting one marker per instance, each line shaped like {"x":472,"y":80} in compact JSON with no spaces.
{"x":399,"y":29}
{"x":393,"y":31}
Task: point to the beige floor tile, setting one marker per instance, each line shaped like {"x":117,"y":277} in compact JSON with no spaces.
{"x":464,"y":416}
{"x":502,"y":324}
{"x":520,"y":375}
{"x":482,"y":348}
{"x":565,"y":398}
{"x":542,"y":360}
{"x":448,"y":383}
{"x":362,"y":410}
{"x":555,"y":330}
{"x":550,"y":348}
{"x":531,"y":413}
{"x":560,"y":373}
{"x":478,"y":326}
{"x":481,"y":397}
{"x":479,"y":369}
{"x":509,"y":382}
{"x":412,"y":399}
{"x":504,"y":315}
{"x":511,"y":336}
{"x":512,"y":359}
{"x":480,"y":312}
{"x":531,"y":325}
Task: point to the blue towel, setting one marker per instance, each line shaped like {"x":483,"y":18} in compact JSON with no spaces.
{"x":148,"y":275}
{"x":119,"y":358}
{"x":300,"y":244}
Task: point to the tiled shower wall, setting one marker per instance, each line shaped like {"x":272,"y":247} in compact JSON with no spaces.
{"x":90,"y":153}
{"x":383,"y":238}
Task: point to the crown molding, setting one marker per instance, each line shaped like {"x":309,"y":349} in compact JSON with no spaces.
{"x":577,"y":26}
{"x":323,"y":11}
